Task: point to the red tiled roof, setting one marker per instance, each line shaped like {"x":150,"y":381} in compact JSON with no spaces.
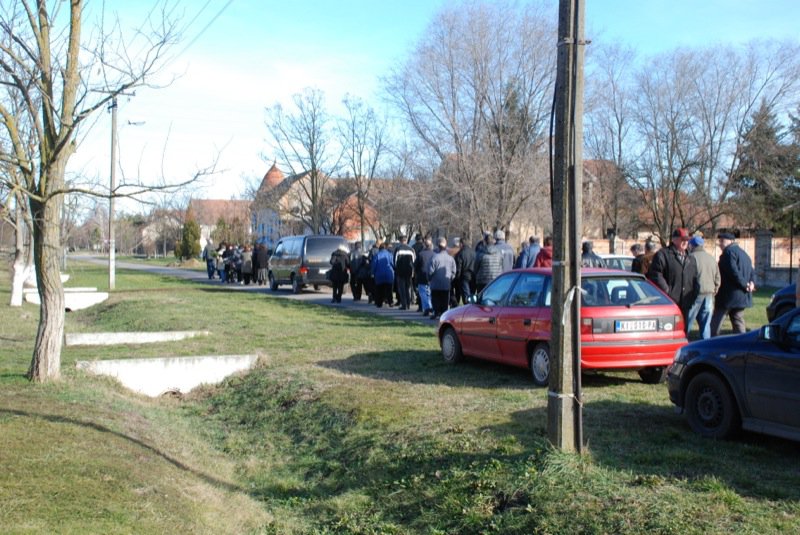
{"x":209,"y":211}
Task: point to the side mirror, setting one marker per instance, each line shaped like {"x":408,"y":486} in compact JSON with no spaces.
{"x":771,"y":333}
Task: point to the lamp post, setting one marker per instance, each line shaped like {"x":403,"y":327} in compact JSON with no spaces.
{"x":111,"y":237}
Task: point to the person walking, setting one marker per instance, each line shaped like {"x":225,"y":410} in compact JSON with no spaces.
{"x":358,"y":271}
{"x":421,"y":269}
{"x":220,"y":262}
{"x":545,"y":256}
{"x":505,"y":250}
{"x":383,"y":273}
{"x":261,"y":260}
{"x":247,"y":264}
{"x":708,"y":281}
{"x":208,"y":256}
{"x":465,"y":271}
{"x":404,"y":258}
{"x":736,"y":285}
{"x":674,"y":270}
{"x":488,"y":266}
{"x":441,"y":272}
{"x":340,"y":264}
{"x":589,"y":258}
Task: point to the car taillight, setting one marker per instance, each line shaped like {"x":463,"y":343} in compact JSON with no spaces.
{"x":303,"y":270}
{"x":678,"y":323}
{"x":586,"y":325}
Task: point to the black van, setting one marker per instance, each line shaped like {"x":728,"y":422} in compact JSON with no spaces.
{"x":302,"y":261}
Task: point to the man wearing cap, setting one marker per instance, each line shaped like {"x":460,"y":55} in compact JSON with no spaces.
{"x":505,"y":250}
{"x":674,"y":270}
{"x":708,"y":283}
{"x":736,"y":285}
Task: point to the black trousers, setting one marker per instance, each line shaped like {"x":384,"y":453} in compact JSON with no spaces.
{"x":440,"y":299}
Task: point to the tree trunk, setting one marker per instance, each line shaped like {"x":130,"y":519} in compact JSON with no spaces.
{"x":46,"y":361}
{"x":23,"y":261}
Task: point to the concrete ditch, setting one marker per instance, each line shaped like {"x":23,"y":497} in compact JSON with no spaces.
{"x":158,"y":376}
{"x":108,"y":339}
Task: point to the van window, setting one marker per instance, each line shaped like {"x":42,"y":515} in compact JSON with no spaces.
{"x":294,"y":246}
{"x":319,"y":248}
{"x":280,"y":249}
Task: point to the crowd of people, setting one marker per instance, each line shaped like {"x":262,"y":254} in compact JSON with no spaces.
{"x":437,"y":278}
{"x":236,"y":264}
{"x":706,"y":290}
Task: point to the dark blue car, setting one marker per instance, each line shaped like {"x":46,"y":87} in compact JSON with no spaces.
{"x":746,"y":381}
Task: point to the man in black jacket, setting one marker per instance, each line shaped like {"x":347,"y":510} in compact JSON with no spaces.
{"x":674,"y":270}
{"x":465,"y":271}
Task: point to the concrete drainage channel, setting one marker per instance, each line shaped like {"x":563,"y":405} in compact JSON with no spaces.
{"x":159,"y":376}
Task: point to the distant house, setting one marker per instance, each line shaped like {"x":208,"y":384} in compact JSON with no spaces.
{"x":209,"y":212}
{"x":276,"y":209}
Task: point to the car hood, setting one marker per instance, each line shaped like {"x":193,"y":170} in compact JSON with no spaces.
{"x":724,"y":342}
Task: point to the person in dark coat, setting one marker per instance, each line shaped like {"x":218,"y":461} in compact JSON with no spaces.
{"x":465,"y":271}
{"x":404,"y":257}
{"x":421,"y":271}
{"x":589,"y":258}
{"x":488,"y":266}
{"x":357,"y":273}
{"x":340,"y":264}
{"x":736,"y":285}
{"x":674,"y":270}
{"x":638,"y":255}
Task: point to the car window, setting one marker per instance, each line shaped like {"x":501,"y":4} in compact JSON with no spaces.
{"x":620,"y":291}
{"x":793,"y":330}
{"x":495,"y":293}
{"x":319,"y":249}
{"x":527,"y":291}
{"x":279,"y":250}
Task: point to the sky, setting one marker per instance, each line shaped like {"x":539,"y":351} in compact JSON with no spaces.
{"x":240,"y":57}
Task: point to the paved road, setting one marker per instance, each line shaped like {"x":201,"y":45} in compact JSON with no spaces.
{"x":321,"y":297}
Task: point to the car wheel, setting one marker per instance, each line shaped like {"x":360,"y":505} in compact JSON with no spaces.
{"x":273,"y":284}
{"x":451,"y":347}
{"x":710,"y":407}
{"x":653,"y":375}
{"x":296,"y":286}
{"x":540,"y":364}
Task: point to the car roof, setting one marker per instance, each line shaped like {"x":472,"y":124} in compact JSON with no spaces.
{"x":585,"y":272}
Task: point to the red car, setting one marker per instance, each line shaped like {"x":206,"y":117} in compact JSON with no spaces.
{"x":626,"y":323}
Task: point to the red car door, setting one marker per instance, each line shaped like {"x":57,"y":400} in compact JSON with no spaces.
{"x":521,"y":319}
{"x":479,"y":323}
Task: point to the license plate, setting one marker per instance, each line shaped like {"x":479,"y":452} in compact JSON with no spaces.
{"x":631,"y":326}
{"x":322,"y":271}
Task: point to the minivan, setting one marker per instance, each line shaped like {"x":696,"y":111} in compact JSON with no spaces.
{"x":303,"y":261}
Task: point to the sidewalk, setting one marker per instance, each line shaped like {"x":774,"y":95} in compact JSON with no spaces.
{"x":308,"y":295}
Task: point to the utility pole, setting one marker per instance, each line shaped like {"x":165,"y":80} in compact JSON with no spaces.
{"x":564,"y":414}
{"x":112,"y":246}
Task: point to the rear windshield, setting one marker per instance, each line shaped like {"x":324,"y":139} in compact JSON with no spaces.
{"x":620,"y":291}
{"x":319,"y":249}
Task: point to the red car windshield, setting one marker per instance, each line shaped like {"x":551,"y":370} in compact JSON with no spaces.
{"x":620,"y":291}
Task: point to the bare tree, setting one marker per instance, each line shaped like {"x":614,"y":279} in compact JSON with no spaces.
{"x":477,"y":90}
{"x":674,"y":123}
{"x":304,"y":143}
{"x":62,"y":81}
{"x":363,"y":138}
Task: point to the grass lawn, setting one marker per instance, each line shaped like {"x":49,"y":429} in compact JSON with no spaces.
{"x":351,"y":424}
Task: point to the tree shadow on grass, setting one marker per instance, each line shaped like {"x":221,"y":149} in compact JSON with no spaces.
{"x":427,"y":367}
{"x":654,"y":444}
{"x":54,"y":418}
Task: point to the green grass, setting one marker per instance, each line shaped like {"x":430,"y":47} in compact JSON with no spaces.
{"x":352,"y":424}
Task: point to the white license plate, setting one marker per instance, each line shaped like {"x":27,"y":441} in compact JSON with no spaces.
{"x":322,"y":271}
{"x":632,"y":326}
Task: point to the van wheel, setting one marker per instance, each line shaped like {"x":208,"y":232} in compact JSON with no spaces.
{"x":540,"y":364}
{"x":316,"y":287}
{"x":273,"y":284}
{"x":296,"y":286}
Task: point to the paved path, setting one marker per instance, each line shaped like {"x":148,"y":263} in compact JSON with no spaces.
{"x":321,"y":297}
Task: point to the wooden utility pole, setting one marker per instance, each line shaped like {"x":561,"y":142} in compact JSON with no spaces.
{"x":564,"y":415}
